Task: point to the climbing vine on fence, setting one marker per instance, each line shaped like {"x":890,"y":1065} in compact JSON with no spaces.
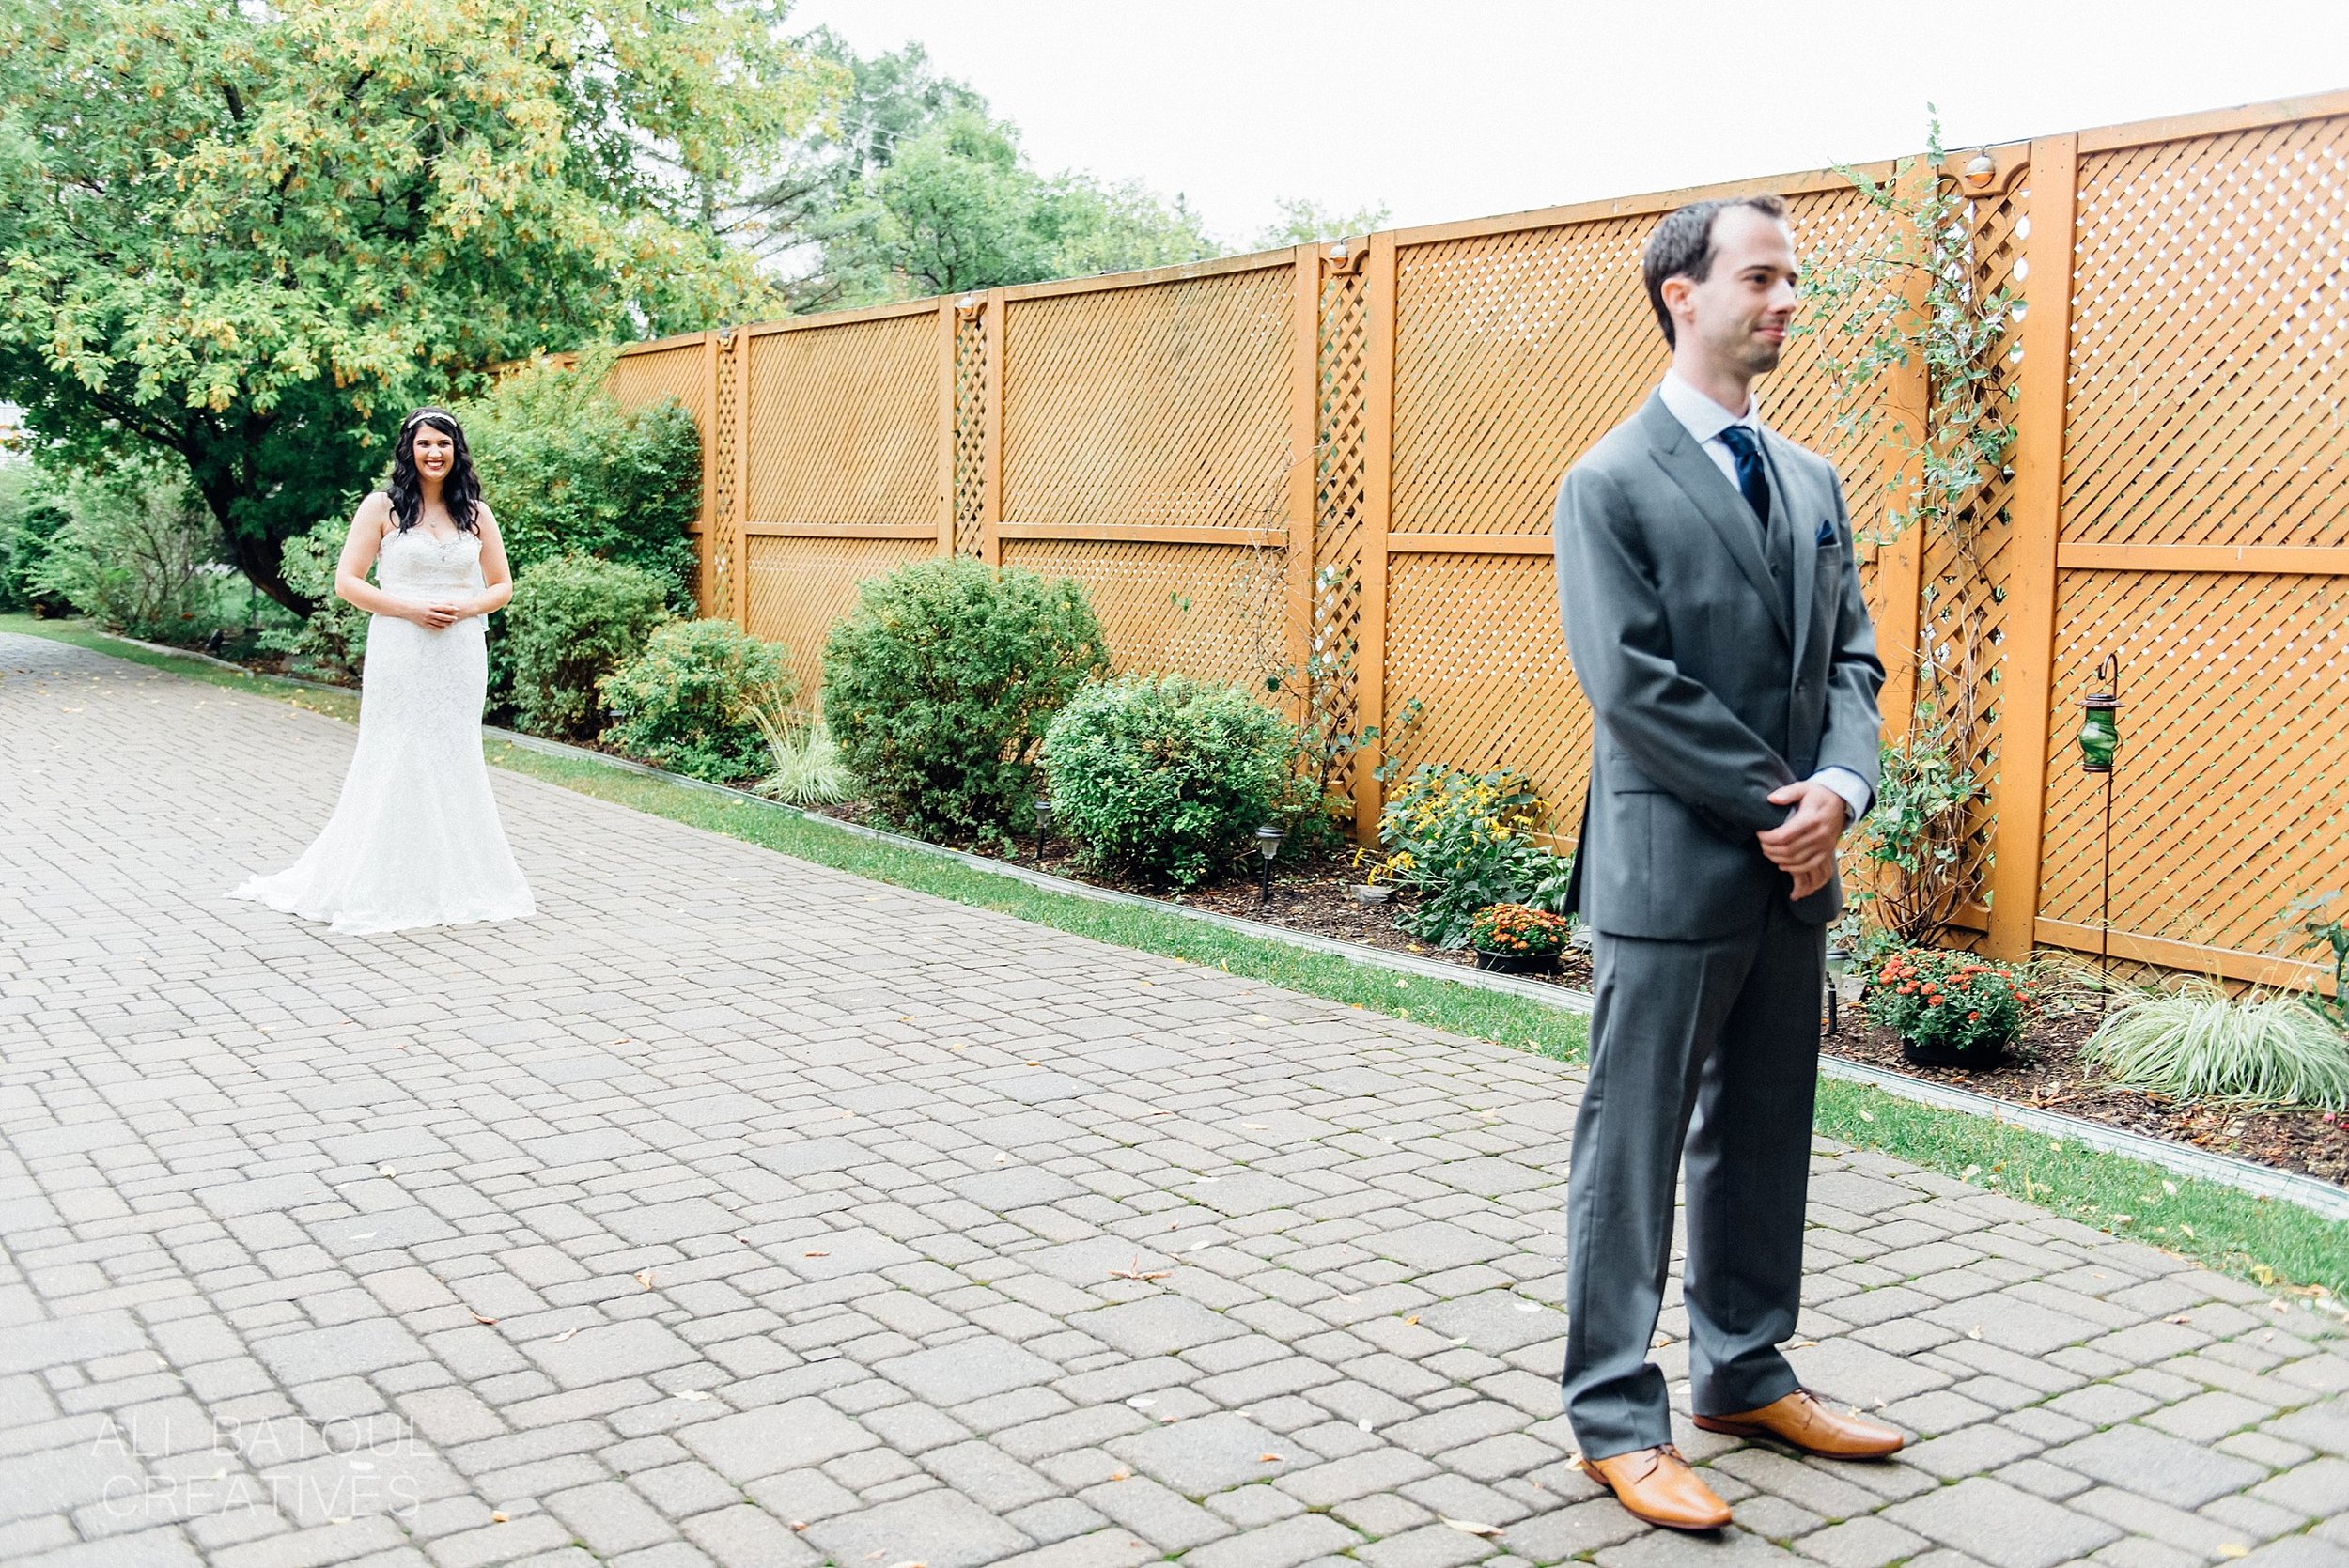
{"x":1920,"y":303}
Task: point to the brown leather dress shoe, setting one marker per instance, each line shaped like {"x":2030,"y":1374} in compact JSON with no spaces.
{"x":1804,"y":1420}
{"x":1657,"y":1484}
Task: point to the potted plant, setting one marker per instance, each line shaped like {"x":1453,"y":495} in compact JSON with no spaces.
{"x":1511,"y":939}
{"x":1950,"y":1009}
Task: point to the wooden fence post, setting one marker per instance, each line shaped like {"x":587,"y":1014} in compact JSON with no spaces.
{"x":946,"y":399}
{"x":991,"y":490}
{"x":738,"y":534}
{"x":1369,"y":674}
{"x":1304,"y":471}
{"x":2018,"y":802}
{"x":710,"y":522}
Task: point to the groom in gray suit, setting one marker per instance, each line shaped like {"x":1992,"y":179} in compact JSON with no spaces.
{"x":1711,"y":603}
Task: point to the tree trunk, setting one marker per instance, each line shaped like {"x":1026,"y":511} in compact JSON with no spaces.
{"x":259,"y":558}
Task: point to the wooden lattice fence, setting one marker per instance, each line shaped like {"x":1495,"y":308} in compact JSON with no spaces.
{"x":1350,"y":452}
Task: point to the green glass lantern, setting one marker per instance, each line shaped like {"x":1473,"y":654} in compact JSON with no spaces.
{"x":2100,"y":735}
{"x":2100,"y":731}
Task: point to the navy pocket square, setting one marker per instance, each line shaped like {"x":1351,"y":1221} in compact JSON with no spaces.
{"x":1825,"y":536}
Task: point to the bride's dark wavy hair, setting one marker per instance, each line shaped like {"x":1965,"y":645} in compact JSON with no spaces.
{"x":461,"y":491}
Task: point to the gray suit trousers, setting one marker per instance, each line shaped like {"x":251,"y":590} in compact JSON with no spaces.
{"x":1713,"y":1044}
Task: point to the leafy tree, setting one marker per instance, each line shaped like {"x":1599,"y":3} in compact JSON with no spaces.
{"x":802,"y":209}
{"x":253,"y":236}
{"x":958,"y":207}
{"x":1309,"y":222}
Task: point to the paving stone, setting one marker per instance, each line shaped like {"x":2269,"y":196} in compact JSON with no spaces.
{"x":1162,"y":1325}
{"x":1286,"y":1544}
{"x":2155,"y":1465}
{"x":1870,"y":1543}
{"x":941,"y":1528}
{"x":1207,"y":1454}
{"x":1997,"y":1524}
{"x":608,"y":1351}
{"x":775,"y":1438}
{"x":1166,"y":1518}
{"x":966,"y":1370}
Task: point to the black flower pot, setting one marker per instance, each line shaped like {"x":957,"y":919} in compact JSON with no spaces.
{"x":1975,"y":1057}
{"x":1517,"y":963}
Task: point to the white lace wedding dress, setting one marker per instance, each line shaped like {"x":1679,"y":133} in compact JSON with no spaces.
{"x":415,"y":838}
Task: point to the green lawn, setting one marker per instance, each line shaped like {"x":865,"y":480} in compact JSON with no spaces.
{"x":2258,"y":1238}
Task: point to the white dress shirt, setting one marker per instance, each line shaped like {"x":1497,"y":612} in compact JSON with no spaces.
{"x":1706,"y":420}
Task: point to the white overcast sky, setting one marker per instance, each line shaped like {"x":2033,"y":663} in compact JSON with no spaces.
{"x":1472,"y":107}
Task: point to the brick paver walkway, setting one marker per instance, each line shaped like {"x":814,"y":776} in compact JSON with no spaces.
{"x":741,"y":1211}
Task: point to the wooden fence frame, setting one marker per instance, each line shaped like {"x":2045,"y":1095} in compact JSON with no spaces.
{"x":2040,"y":560}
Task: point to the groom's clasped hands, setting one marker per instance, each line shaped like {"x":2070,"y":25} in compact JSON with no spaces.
{"x":1803,"y":846}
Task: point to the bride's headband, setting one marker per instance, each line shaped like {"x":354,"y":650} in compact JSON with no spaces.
{"x":426,"y":414}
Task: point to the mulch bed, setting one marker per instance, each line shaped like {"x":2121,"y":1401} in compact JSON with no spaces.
{"x":2044,"y":1070}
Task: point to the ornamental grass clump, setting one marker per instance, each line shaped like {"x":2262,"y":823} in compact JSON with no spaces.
{"x":1165,"y":779}
{"x":1514,"y":931}
{"x":1947,"y":1005}
{"x":2196,"y":1043}
{"x":806,"y":769}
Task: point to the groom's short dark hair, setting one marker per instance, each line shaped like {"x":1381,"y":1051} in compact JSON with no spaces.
{"x":1682,"y":246}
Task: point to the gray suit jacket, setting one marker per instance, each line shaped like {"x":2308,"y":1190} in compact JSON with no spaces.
{"x":1712,"y":681}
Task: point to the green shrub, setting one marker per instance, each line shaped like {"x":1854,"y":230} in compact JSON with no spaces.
{"x":939,"y":684}
{"x":2194,"y":1044}
{"x":1939,"y":999}
{"x":133,"y":551}
{"x":571,"y":473}
{"x":30,"y":520}
{"x":332,"y":640}
{"x":690,"y":702}
{"x":1464,"y":842}
{"x":1164,"y":778}
{"x":573,"y":621}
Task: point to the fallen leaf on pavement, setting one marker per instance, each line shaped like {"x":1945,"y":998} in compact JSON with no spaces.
{"x":1135,"y":1271}
{"x":478,"y":1318}
{"x":1269,"y":1458}
{"x":645,"y":1279}
{"x":564,"y":1335}
{"x":1473,"y":1528}
{"x":815,"y":1254}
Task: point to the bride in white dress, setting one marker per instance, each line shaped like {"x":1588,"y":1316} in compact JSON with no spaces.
{"x":415,"y":838}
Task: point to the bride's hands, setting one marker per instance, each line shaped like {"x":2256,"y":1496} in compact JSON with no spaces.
{"x":439,"y":615}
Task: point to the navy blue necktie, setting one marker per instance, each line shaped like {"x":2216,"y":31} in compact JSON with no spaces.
{"x":1751,"y":481}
